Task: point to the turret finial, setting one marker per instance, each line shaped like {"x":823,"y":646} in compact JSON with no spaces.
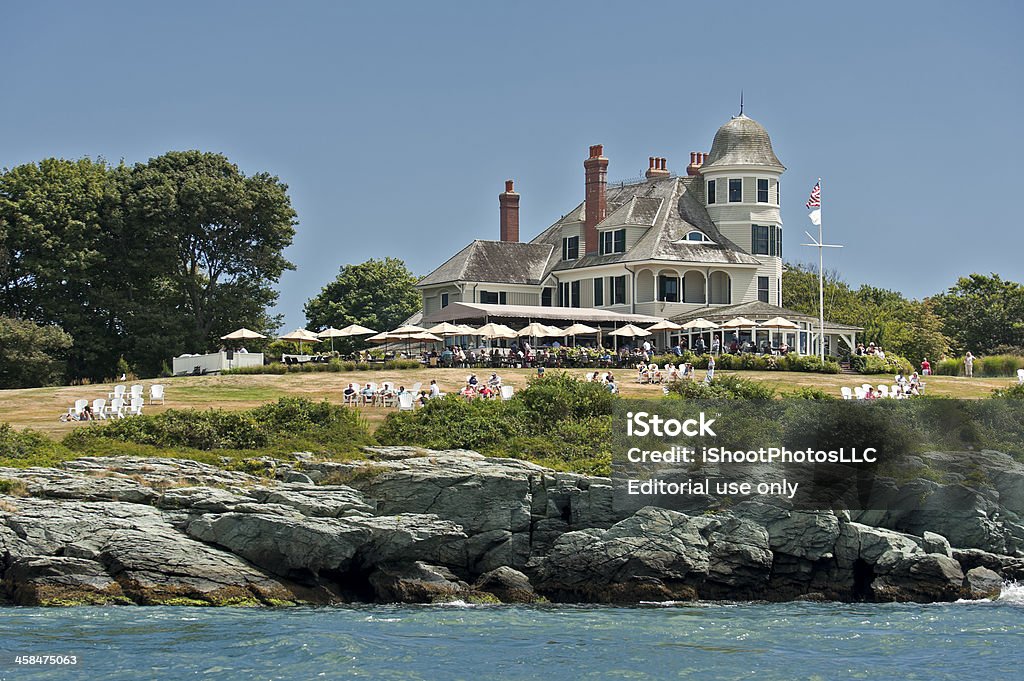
{"x":741,"y":102}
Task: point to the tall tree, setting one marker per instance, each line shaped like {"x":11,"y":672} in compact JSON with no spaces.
{"x":56,"y":251}
{"x":380,"y":294}
{"x":31,"y":355}
{"x":218,"y":234}
{"x":983,"y":313}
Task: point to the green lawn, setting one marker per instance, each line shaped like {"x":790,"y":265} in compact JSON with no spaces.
{"x":39,"y":408}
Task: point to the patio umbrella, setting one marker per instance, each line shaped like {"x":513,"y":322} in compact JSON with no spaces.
{"x":408,"y":330}
{"x":738,"y":323}
{"x":466,"y":330}
{"x":492,"y":331}
{"x":630,"y":331}
{"x":348,"y":331}
{"x":535,"y":330}
{"x":300,"y":336}
{"x":554,"y":331}
{"x":578,"y":330}
{"x":665,"y":325}
{"x":699,"y":323}
{"x":427,"y":337}
{"x":445,"y":329}
{"x":780,"y":324}
{"x":242,"y":334}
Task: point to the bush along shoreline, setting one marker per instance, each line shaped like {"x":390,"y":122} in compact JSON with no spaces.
{"x":751,"y":362}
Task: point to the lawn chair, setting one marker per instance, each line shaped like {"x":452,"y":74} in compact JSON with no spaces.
{"x":860,"y":392}
{"x":846,"y":392}
{"x":75,"y":412}
{"x":506,"y":393}
{"x":353,"y":399}
{"x":415,"y":390}
{"x":1020,"y":376}
{"x":135,"y":408}
{"x":118,"y":392}
{"x":883,"y":390}
{"x":156,"y":392}
{"x":386,"y":396}
{"x":115,"y":409}
{"x":405,"y":402}
{"x":98,"y":407}
{"x":373,"y":397}
{"x":135,"y":393}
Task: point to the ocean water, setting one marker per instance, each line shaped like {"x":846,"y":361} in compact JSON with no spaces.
{"x":967,"y":640}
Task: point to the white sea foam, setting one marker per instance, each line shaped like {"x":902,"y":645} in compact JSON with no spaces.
{"x":1012,"y":593}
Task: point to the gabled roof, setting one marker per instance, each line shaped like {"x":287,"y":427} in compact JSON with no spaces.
{"x":674,"y":210}
{"x":502,"y":262}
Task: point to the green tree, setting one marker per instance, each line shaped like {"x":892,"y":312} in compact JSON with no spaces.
{"x":59,"y":254}
{"x":217,"y":236}
{"x":379,"y":294}
{"x":981,"y":313}
{"x":31,"y":355}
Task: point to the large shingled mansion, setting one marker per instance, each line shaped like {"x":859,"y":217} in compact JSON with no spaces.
{"x":707,"y":244}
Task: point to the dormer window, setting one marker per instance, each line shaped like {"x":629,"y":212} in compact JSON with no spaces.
{"x":571,"y":248}
{"x":736,"y":190}
{"x":697,"y":236}
{"x":613,"y":241}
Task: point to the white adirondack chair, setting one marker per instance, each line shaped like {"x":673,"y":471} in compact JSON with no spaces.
{"x":156,"y":392}
{"x":860,"y":392}
{"x":386,"y":396}
{"x":135,"y":393}
{"x":506,"y":393}
{"x":1020,"y":376}
{"x":135,"y":408}
{"x":118,"y":392}
{"x":405,"y":402}
{"x":99,"y":405}
{"x":76,"y":411}
{"x":847,"y":392}
{"x":116,"y":408}
{"x":883,"y":390}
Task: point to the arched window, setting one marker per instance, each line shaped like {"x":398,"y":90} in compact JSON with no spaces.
{"x":697,"y":236}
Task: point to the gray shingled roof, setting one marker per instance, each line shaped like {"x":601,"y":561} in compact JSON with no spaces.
{"x":742,"y":141}
{"x":666,"y":238}
{"x":503,"y":262}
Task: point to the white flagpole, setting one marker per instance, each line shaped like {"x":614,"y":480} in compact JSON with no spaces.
{"x":820,"y":244}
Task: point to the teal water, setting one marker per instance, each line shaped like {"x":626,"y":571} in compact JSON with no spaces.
{"x":791,"y":641}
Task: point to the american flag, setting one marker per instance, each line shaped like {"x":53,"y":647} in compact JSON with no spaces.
{"x":815,"y":200}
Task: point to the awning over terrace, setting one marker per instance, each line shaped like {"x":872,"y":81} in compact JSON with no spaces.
{"x":458,"y":312}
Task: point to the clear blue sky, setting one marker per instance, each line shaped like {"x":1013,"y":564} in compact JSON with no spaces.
{"x":395,"y":124}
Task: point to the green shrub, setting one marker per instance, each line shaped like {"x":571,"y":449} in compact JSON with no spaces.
{"x":334,"y":365}
{"x":949,"y":367}
{"x":1000,"y":365}
{"x":1015,"y":392}
{"x":728,"y":386}
{"x":809,"y":393}
{"x":873,"y":364}
{"x":751,"y":362}
{"x":20,"y":449}
{"x":454,"y":423}
{"x":289,"y":423}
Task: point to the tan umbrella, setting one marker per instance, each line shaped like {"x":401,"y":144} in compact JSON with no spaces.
{"x":630,"y":331}
{"x":242,"y":334}
{"x":348,"y":331}
{"x":536,"y":329}
{"x":665,"y":325}
{"x":700,"y":323}
{"x":382,"y":337}
{"x":739,"y":323}
{"x":300,"y":336}
{"x":555,"y":332}
{"x":426,"y":337}
{"x":492,"y":331}
{"x":445,"y":329}
{"x":578,"y":330}
{"x":466,"y":330}
{"x":779,"y":323}
{"x":408,"y":330}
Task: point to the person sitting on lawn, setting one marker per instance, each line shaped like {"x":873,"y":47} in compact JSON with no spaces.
{"x":486,"y":391}
{"x":472,"y":380}
{"x":434,"y":390}
{"x":469,"y":392}
{"x":368,"y":393}
{"x":350,"y":391}
{"x":494,"y":381}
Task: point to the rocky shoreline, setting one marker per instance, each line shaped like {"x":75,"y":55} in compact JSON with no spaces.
{"x":413,"y":526}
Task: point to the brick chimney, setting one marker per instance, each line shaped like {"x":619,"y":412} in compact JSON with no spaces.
{"x":657,"y":167}
{"x":696,"y":161}
{"x":596,"y":205}
{"x":508,"y":208}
